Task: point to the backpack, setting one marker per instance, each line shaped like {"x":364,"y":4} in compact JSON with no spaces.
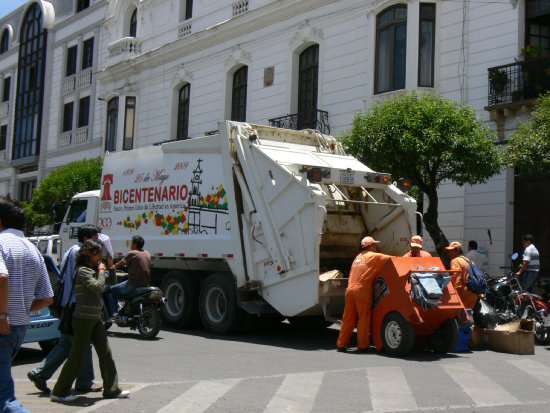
{"x":476,"y":281}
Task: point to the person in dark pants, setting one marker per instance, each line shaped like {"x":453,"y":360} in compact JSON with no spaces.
{"x":45,"y":370}
{"x":138,"y":262}
{"x":87,"y":326}
{"x":24,"y":287}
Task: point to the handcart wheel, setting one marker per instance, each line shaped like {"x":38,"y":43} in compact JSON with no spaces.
{"x":397,"y":335}
{"x":444,"y":339}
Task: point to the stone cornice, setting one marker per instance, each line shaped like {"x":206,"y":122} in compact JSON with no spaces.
{"x":248,"y":22}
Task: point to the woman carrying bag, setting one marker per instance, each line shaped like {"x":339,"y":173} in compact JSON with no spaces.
{"x":87,"y":326}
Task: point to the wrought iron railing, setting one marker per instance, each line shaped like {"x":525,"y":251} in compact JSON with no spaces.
{"x":313,"y":119}
{"x":519,"y":81}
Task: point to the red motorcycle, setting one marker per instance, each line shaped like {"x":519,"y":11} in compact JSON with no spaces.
{"x":534,"y":307}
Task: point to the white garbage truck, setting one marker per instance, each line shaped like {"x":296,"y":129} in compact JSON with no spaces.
{"x":251,"y":221}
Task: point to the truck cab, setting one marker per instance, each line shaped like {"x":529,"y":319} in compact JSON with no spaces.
{"x":82,"y":209}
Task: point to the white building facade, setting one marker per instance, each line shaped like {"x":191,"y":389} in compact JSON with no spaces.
{"x":171,"y":69}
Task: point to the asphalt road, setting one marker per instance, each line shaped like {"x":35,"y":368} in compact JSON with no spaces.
{"x":281,"y":369}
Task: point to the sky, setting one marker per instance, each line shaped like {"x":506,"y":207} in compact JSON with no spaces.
{"x":7,"y":6}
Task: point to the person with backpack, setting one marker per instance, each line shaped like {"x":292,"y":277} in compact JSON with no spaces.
{"x":57,"y":356}
{"x":460,"y":280}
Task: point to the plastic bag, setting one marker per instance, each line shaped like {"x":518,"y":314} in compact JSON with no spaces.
{"x":485,"y":315}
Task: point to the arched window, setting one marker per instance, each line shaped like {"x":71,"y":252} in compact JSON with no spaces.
{"x":308,"y":75}
{"x":112,"y":125}
{"x":30,"y":80}
{"x":182,"y":131}
{"x":5,"y":42}
{"x":391,"y":49}
{"x":238,"y":97}
{"x":133,"y":24}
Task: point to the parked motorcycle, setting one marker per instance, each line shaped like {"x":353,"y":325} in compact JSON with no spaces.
{"x":139,"y":311}
{"x":511,"y":303}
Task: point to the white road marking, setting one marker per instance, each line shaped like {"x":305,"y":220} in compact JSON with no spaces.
{"x":389,"y":390}
{"x":296,"y":394}
{"x":483,"y":391}
{"x":533,"y":368}
{"x":199,"y":397}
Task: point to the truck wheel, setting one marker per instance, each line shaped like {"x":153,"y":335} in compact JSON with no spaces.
{"x":397,"y":335}
{"x":218,"y":305}
{"x":444,"y":339}
{"x":181,"y":292}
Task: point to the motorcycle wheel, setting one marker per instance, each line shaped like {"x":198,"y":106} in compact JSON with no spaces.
{"x":149,"y":324}
{"x":542,"y":336}
{"x":397,"y":335}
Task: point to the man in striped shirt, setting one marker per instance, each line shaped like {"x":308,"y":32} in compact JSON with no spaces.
{"x":24,"y":287}
{"x":529,"y":272}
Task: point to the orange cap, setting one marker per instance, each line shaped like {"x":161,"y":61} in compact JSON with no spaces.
{"x":453,"y":245}
{"x":417,"y":241}
{"x":365,"y":242}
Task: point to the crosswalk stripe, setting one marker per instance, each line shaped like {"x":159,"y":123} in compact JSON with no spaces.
{"x":389,"y":390}
{"x":296,"y":393}
{"x":533,"y":368}
{"x":483,"y":391}
{"x":199,"y":397}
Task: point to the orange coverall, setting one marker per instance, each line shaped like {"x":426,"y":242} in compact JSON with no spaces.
{"x":359,"y":298}
{"x":469,"y":298}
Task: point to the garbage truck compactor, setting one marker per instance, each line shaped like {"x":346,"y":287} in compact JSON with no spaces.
{"x":254,"y":220}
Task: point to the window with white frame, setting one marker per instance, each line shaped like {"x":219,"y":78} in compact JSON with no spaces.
{"x":238,"y":96}
{"x":129,"y":120}
{"x":391,"y":49}
{"x":112,"y":125}
{"x":426,"y":45}
{"x":5,"y":41}
{"x":184,"y":96}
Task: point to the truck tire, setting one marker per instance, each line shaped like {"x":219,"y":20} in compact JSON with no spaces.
{"x":218,"y":305}
{"x":397,"y":335}
{"x":444,"y":339}
{"x":181,"y":292}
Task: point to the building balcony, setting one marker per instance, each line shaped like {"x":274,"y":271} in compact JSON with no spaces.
{"x":4,"y":108}
{"x":515,"y":86}
{"x":313,"y":119}
{"x":519,"y":81}
{"x":68,"y":85}
{"x":84,"y":78}
{"x":184,"y":29}
{"x":127,"y":47}
{"x":71,"y":138}
{"x":239,"y":7}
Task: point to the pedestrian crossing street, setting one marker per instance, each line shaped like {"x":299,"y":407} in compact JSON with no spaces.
{"x":446,"y":385}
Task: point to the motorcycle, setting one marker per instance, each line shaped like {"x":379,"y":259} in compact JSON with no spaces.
{"x":511,"y":303}
{"x":139,"y":311}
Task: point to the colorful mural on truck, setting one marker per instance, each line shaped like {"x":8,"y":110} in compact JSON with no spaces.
{"x":171,"y":200}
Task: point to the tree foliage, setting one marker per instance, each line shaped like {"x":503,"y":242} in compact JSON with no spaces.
{"x":529,"y":147}
{"x":428,"y":139}
{"x":61,"y":185}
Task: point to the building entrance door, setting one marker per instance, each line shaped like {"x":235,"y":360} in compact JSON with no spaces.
{"x":532,"y":216}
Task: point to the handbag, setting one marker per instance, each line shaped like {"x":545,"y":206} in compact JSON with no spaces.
{"x":56,"y":309}
{"x":66,"y":323}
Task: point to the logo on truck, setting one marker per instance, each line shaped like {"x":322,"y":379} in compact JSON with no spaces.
{"x":174,"y":208}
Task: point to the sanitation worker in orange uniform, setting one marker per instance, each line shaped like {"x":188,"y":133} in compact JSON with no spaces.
{"x":416,"y":248}
{"x":461,"y":263}
{"x":359,"y":295}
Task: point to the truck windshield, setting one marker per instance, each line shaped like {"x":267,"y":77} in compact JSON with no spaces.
{"x":77,"y":211}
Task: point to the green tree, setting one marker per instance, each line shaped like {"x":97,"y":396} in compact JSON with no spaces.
{"x":61,"y":185}
{"x":529,"y":147}
{"x":428,"y":139}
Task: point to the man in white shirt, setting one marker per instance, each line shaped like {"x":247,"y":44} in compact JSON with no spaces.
{"x":529,"y":272}
{"x":474,"y":255}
